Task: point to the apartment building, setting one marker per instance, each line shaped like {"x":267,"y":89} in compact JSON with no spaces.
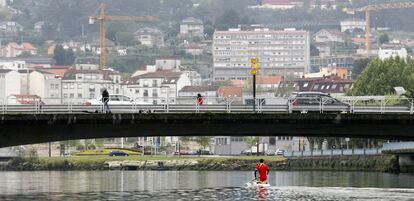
{"x":46,"y":85}
{"x":156,"y":87}
{"x":9,"y":83}
{"x":85,"y":81}
{"x":284,"y":52}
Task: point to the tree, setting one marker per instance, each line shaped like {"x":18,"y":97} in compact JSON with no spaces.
{"x":383,"y":38}
{"x":314,"y":51}
{"x":251,"y":141}
{"x":380,"y":77}
{"x":209,"y":31}
{"x":59,"y":55}
{"x":124,"y":38}
{"x":230,"y":18}
{"x":69,"y":57}
{"x":62,"y":56}
{"x":113,"y":28}
{"x":203,"y":141}
{"x":359,"y":66}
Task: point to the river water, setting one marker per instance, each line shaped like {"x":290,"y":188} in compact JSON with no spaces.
{"x":206,"y":185}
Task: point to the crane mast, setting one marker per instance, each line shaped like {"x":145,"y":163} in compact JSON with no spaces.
{"x":377,"y":7}
{"x":102,"y":18}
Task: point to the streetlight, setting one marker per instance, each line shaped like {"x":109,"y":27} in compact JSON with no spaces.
{"x":255,"y":68}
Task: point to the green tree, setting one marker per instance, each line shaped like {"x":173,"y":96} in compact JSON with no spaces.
{"x":380,"y":77}
{"x":59,"y":55}
{"x":230,"y":19}
{"x":113,"y":28}
{"x":383,"y":38}
{"x":314,"y":51}
{"x":69,"y":57}
{"x":62,"y":56}
{"x":251,"y":141}
{"x":209,"y":31}
{"x":203,"y":141}
{"x":359,"y":66}
{"x":124,"y":38}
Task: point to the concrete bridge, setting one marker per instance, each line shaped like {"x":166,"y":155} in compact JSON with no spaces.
{"x":20,"y":129}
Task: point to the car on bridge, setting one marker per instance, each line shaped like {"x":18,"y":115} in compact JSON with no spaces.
{"x":317,"y":101}
{"x":117,"y":99}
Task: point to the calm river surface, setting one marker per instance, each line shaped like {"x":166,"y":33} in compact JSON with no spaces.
{"x":195,"y":185}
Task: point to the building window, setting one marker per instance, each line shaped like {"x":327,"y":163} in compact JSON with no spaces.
{"x":65,"y":86}
{"x":91,"y":95}
{"x":79,"y":95}
{"x":72,"y":95}
{"x":145,"y":83}
{"x":145,"y":93}
{"x":154,"y":83}
{"x":52,"y":86}
{"x":154,"y":93}
{"x":91,"y":88}
{"x":136,"y":91}
{"x":72,"y":86}
{"x":65,"y":95}
{"x":79,"y":86}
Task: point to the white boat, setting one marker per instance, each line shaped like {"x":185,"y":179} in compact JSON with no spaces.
{"x":255,"y":183}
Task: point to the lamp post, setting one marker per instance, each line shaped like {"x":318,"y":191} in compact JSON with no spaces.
{"x":255,"y":68}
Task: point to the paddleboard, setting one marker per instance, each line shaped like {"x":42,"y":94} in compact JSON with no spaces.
{"x":255,"y":183}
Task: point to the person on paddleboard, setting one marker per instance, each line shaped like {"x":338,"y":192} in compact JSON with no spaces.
{"x":263,"y":170}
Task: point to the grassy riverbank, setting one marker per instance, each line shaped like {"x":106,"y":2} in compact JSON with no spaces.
{"x":385,"y":163}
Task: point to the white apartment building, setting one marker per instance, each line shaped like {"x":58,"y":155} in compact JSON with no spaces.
{"x":285,"y":52}
{"x":13,"y":64}
{"x":388,"y":51}
{"x":192,"y":27}
{"x":9,"y":84}
{"x":156,"y":87}
{"x":225,"y":145}
{"x":86,"y":81}
{"x":352,"y":24}
{"x":47,"y":86}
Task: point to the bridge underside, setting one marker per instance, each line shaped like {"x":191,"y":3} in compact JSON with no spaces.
{"x":29,"y":129}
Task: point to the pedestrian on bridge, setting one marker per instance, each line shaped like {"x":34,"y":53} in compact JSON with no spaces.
{"x":199,"y":100}
{"x":105,"y":100}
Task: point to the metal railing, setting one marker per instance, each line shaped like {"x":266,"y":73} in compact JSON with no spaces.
{"x":351,"y":105}
{"x":334,"y":152}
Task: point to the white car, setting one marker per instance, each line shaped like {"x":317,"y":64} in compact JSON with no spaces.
{"x":115,"y":99}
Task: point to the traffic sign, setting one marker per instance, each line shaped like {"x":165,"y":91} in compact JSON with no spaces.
{"x":254,"y":60}
{"x":253,"y":72}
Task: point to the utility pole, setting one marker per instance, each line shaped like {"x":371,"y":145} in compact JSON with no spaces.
{"x":255,"y":68}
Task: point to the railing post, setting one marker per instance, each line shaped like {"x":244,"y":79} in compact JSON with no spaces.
{"x":412,"y":106}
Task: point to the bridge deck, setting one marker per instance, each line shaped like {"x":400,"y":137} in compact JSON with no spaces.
{"x":19,"y":129}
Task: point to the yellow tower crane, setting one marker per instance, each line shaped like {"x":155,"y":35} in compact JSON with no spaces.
{"x":102,"y":18}
{"x":376,"y":7}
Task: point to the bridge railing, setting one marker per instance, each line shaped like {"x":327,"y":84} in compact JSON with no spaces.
{"x":223,"y":105}
{"x":334,"y":152}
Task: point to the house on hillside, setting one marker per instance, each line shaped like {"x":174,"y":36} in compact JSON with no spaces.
{"x":150,"y":37}
{"x":10,"y":27}
{"x":329,"y":35}
{"x":192,"y":27}
{"x":13,"y":49}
